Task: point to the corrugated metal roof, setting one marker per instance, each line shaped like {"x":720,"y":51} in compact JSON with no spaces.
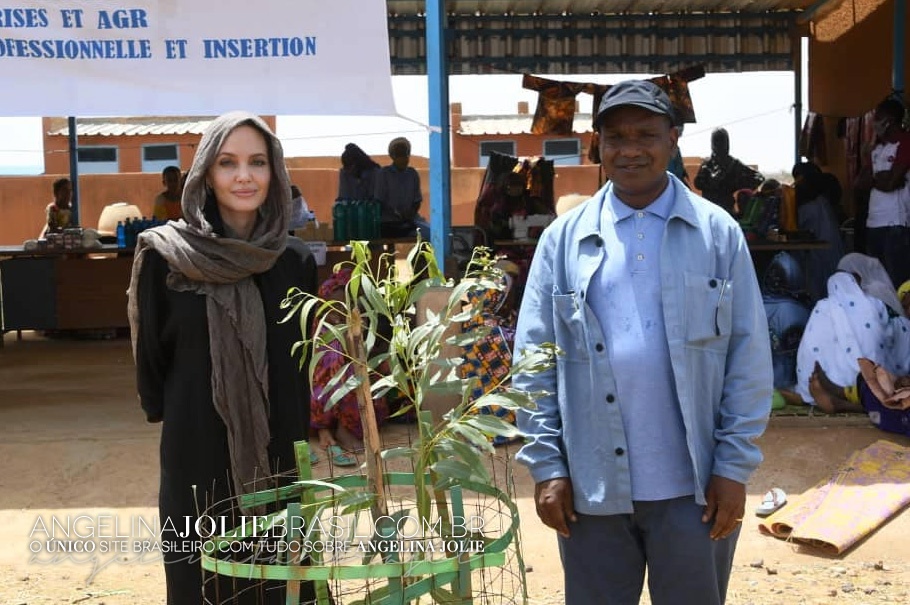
{"x":555,"y":7}
{"x":513,"y":124}
{"x":112,"y":127}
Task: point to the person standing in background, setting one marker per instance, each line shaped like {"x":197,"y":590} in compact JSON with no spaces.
{"x":643,"y":439}
{"x":167,"y":203}
{"x":721,"y":175}
{"x":888,"y":220}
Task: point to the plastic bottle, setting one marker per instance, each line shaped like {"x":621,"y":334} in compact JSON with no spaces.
{"x":121,"y":235}
{"x":339,"y":221}
{"x":128,"y":232}
{"x":364,"y":220}
{"x":376,"y":209}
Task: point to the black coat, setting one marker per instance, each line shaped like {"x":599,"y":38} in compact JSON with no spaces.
{"x":174,"y":382}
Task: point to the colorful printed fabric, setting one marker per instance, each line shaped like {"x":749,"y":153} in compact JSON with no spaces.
{"x":871,"y":486}
{"x":555,"y":113}
{"x":489,"y":358}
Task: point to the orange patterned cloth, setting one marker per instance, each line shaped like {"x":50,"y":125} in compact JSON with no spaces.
{"x":871,"y":486}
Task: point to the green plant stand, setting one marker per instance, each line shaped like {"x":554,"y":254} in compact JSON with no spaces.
{"x":443,"y":575}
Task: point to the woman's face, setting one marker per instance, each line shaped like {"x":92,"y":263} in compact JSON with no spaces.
{"x":240,"y":175}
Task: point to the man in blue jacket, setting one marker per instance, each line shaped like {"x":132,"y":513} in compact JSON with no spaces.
{"x":643,"y":444}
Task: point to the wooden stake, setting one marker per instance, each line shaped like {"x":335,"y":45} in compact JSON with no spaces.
{"x":371,"y":443}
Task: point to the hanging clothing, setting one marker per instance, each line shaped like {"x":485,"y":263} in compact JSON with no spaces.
{"x":812,"y":139}
{"x":555,"y":113}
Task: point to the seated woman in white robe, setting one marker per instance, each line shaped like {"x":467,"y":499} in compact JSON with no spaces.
{"x":845,"y":326}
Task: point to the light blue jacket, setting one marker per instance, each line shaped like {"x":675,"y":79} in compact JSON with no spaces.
{"x":719,"y":350}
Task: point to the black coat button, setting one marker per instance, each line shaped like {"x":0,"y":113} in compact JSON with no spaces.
{"x":713,"y":283}
{"x":599,"y":347}
{"x":620,"y":451}
{"x":611,"y":398}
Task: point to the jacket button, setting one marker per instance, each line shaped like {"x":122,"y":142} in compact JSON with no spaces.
{"x":713,"y":283}
{"x":599,"y":347}
{"x":611,"y":398}
{"x":619,"y":451}
{"x":599,"y":242}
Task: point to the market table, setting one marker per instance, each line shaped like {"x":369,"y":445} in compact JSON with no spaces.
{"x":75,"y":289}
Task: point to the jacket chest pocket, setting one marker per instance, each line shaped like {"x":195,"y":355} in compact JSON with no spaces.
{"x":709,"y":310}
{"x":568,"y":315}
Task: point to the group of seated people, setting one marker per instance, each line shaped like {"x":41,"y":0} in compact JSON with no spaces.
{"x":848,"y":352}
{"x":396,"y":187}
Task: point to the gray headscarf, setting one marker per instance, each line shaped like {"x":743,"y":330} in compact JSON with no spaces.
{"x":221,"y":268}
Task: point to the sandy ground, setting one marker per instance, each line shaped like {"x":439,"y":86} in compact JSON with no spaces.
{"x":73,"y":442}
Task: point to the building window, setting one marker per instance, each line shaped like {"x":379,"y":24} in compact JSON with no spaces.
{"x":97,"y":160}
{"x":156,"y":158}
{"x":487,"y":147}
{"x":563,"y":152}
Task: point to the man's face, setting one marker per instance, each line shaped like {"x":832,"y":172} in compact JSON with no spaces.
{"x":401,"y":159}
{"x":635,"y":148}
{"x":881,"y":123}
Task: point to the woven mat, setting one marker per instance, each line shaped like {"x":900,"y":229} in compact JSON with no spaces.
{"x":871,"y":486}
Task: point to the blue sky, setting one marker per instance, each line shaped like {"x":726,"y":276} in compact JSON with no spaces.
{"x":755,"y":107}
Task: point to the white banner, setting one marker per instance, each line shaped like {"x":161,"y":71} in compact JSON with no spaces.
{"x":194,"y":57}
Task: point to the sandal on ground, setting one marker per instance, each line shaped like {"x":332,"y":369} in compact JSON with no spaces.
{"x":340,"y":457}
{"x":314,"y":458}
{"x":773,"y":501}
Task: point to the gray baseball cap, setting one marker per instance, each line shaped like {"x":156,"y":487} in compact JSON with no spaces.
{"x":640,"y":93}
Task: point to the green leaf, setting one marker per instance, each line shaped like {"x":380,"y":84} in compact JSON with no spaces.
{"x":466,"y":339}
{"x":349,"y":385}
{"x":493,"y":425}
{"x":320,"y":483}
{"x":454,"y":469}
{"x":397,"y":452}
{"x":464,"y":452}
{"x":509,"y":399}
{"x":472,"y":436}
{"x":356,"y":501}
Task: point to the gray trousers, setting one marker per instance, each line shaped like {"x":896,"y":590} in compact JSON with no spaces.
{"x":605,"y":557}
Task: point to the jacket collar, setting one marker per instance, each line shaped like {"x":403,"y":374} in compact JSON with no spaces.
{"x":589,"y":219}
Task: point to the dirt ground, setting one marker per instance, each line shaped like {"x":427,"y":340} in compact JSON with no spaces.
{"x":73,"y":441}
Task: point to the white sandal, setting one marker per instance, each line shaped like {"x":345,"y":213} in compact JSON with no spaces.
{"x":773,"y":501}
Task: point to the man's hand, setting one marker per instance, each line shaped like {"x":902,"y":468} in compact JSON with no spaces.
{"x":726,"y":505}
{"x":555,"y":505}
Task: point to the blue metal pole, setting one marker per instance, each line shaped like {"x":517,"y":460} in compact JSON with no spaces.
{"x":900,"y":37}
{"x":438,"y":85}
{"x":74,"y":168}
